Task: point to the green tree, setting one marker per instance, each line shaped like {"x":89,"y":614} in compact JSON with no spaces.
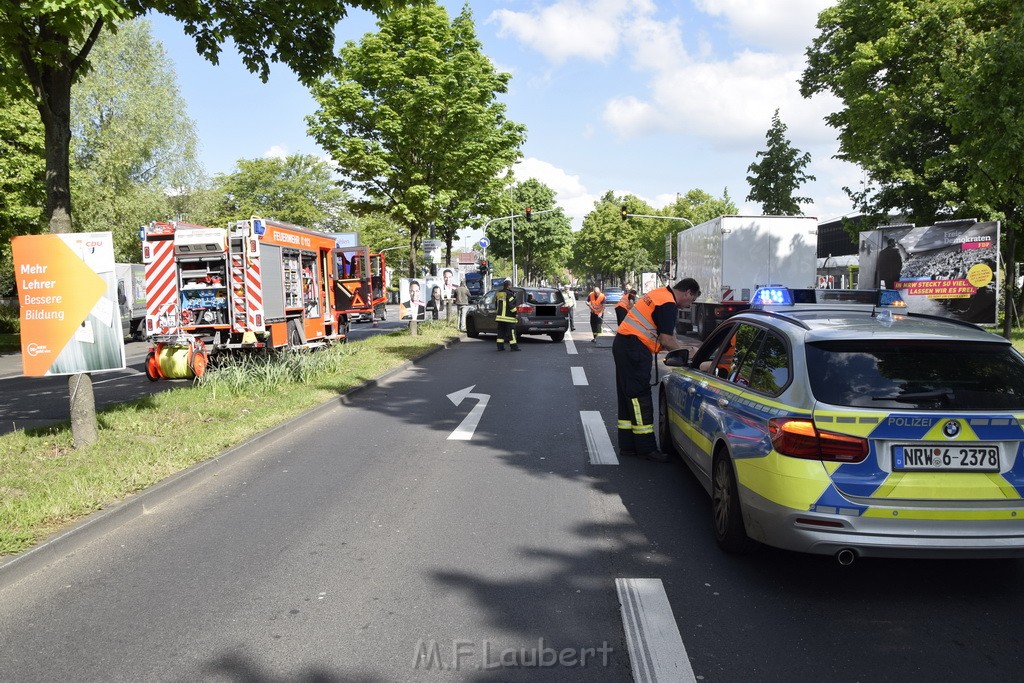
{"x":543,"y":244}
{"x":884,"y":60}
{"x":779,"y":174}
{"x":51,"y":41}
{"x":931,"y":93}
{"x":989,"y":120}
{"x":22,"y":170}
{"x":410,"y":115}
{"x":608,"y":248}
{"x":297,"y":189}
{"x":132,"y":144}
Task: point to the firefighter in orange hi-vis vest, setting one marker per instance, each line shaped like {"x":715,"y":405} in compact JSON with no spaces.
{"x":649,"y":327}
{"x":595,"y":302}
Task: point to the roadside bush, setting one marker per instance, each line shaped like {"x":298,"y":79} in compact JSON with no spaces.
{"x":9,"y":320}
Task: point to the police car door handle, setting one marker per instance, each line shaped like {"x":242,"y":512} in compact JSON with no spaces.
{"x":723,"y":402}
{"x":691,"y":390}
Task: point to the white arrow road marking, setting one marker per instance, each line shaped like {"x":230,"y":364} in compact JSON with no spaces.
{"x":598,"y":443}
{"x":579,"y":377}
{"x":656,"y":650}
{"x":464,"y":432}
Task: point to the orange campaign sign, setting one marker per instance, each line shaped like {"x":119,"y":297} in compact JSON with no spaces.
{"x":61,"y":301}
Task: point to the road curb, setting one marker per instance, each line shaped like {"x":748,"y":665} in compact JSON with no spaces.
{"x":96,"y":525}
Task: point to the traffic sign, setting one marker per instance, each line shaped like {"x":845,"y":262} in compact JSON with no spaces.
{"x":484,"y":243}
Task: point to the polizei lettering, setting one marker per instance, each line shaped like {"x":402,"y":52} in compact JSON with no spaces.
{"x":910,"y":422}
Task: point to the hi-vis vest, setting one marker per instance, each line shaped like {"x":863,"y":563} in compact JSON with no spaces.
{"x":505,"y":301}
{"x":596,"y":303}
{"x":639,"y":322}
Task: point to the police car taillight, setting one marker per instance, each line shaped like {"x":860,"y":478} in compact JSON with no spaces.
{"x":799,"y":438}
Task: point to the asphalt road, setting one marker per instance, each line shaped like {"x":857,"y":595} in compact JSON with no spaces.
{"x":363,"y":544}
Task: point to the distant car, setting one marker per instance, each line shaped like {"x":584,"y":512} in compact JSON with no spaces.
{"x":612,"y":295}
{"x":852,"y":429}
{"x":541,"y":311}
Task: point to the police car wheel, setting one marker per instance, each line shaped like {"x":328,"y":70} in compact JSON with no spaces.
{"x":730,"y":534}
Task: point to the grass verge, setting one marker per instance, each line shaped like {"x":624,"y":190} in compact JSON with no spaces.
{"x":45,"y":484}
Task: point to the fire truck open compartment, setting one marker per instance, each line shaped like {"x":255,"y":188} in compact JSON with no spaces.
{"x":203,"y":290}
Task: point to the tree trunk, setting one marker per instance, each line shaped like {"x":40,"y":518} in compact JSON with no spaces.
{"x":83,"y":409}
{"x":55,"y":109}
{"x":1010,"y":283}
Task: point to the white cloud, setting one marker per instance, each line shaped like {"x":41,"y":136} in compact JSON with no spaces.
{"x":590,"y":29}
{"x":276,"y":152}
{"x":783,"y":26}
{"x":570,"y":194}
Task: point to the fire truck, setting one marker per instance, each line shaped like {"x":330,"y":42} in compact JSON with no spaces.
{"x":256,"y":285}
{"x":360,"y":289}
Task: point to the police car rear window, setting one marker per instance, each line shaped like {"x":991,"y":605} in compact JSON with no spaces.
{"x":916,"y":375}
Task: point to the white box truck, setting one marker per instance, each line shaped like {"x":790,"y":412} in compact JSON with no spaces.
{"x":731,"y":256}
{"x":131,"y":298}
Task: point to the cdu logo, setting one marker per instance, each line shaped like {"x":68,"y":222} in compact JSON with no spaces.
{"x":951,"y":428}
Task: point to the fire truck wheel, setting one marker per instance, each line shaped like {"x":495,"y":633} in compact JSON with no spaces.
{"x":382,"y":313}
{"x":152,"y":371}
{"x":294,"y":337}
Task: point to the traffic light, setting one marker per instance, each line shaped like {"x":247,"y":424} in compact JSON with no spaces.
{"x":529,"y":215}
{"x":482,"y":268}
{"x":624,"y":213}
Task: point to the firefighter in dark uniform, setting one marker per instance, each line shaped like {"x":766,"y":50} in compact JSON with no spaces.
{"x":505,"y":301}
{"x":649,"y":327}
{"x":622,"y":308}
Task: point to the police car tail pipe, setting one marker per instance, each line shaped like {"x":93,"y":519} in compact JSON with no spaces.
{"x":846,"y":556}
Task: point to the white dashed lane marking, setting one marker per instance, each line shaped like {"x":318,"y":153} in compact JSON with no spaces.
{"x":598,"y":444}
{"x":579,"y":377}
{"x":656,"y":650}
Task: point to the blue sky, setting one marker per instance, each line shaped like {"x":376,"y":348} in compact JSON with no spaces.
{"x":645,"y":97}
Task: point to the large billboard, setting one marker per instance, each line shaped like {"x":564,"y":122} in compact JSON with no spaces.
{"x":948,"y":269}
{"x":67,"y":295}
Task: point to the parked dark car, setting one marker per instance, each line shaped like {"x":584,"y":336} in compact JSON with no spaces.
{"x":541,"y":311}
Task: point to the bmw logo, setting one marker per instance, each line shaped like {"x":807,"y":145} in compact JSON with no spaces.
{"x":951,"y":428}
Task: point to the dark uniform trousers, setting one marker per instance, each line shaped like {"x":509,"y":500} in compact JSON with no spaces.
{"x":633,"y":366}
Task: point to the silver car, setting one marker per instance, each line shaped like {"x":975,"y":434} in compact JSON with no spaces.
{"x":853,"y":429}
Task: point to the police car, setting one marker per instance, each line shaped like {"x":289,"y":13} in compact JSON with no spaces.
{"x":835,"y":422}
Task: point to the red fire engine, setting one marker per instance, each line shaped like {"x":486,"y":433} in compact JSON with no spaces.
{"x":258,"y":284}
{"x":360,"y":288}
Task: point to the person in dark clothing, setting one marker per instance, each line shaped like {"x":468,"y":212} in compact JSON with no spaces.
{"x":625,"y":303}
{"x":649,"y":327}
{"x":505,"y":302}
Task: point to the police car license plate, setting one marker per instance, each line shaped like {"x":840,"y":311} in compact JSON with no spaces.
{"x":977,"y":457}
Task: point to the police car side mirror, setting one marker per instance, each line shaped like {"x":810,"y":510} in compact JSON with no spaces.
{"x":678,"y":358}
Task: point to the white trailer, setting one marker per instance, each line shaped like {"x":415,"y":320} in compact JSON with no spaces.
{"x":731,"y":256}
{"x":131,"y":298}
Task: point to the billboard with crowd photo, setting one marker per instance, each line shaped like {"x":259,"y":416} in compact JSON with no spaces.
{"x":949,"y":269}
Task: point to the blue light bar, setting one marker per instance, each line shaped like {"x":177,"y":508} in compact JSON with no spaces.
{"x":772,"y":296}
{"x":258,"y":227}
{"x":891,"y":297}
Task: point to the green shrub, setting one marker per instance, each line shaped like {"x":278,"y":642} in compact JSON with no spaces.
{"x":10,"y":323}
